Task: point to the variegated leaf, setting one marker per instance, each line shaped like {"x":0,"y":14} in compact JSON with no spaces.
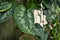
{"x":24,"y":19}
{"x":4,"y":16}
{"x":5,"y":6}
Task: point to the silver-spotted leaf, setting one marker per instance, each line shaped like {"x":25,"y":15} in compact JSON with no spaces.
{"x":24,"y":19}
{"x":5,"y":6}
{"x":51,"y":16}
{"x":4,"y":16}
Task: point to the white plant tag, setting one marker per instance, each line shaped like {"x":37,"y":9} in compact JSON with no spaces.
{"x":39,"y":18}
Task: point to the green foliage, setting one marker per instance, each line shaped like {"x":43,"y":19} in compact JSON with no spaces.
{"x":50,"y":15}
{"x":24,"y":19}
{"x":52,"y":11}
{"x":33,"y":4}
{"x":39,"y":31}
{"x":25,"y":22}
{"x":5,"y":6}
{"x":5,"y":11}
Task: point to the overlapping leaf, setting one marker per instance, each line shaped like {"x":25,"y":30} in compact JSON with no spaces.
{"x":24,"y":19}
{"x":6,"y":15}
{"x":50,"y":10}
{"x":5,"y":6}
{"x":6,"y":11}
{"x":40,"y":32}
{"x":25,"y":22}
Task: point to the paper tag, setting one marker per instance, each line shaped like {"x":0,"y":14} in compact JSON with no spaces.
{"x":39,"y":18}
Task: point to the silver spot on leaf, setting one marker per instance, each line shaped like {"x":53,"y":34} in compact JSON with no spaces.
{"x":29,"y":15}
{"x":22,"y":21}
{"x":28,"y":31}
{"x":27,"y":27}
{"x":21,"y":14}
{"x":18,"y":14}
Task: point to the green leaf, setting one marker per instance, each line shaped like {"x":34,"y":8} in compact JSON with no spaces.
{"x":58,"y":2}
{"x":46,"y":5}
{"x":32,"y":5}
{"x":5,"y":6}
{"x":4,"y":16}
{"x":6,"y":11}
{"x":24,"y":19}
{"x":38,"y":30}
{"x":50,"y":15}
